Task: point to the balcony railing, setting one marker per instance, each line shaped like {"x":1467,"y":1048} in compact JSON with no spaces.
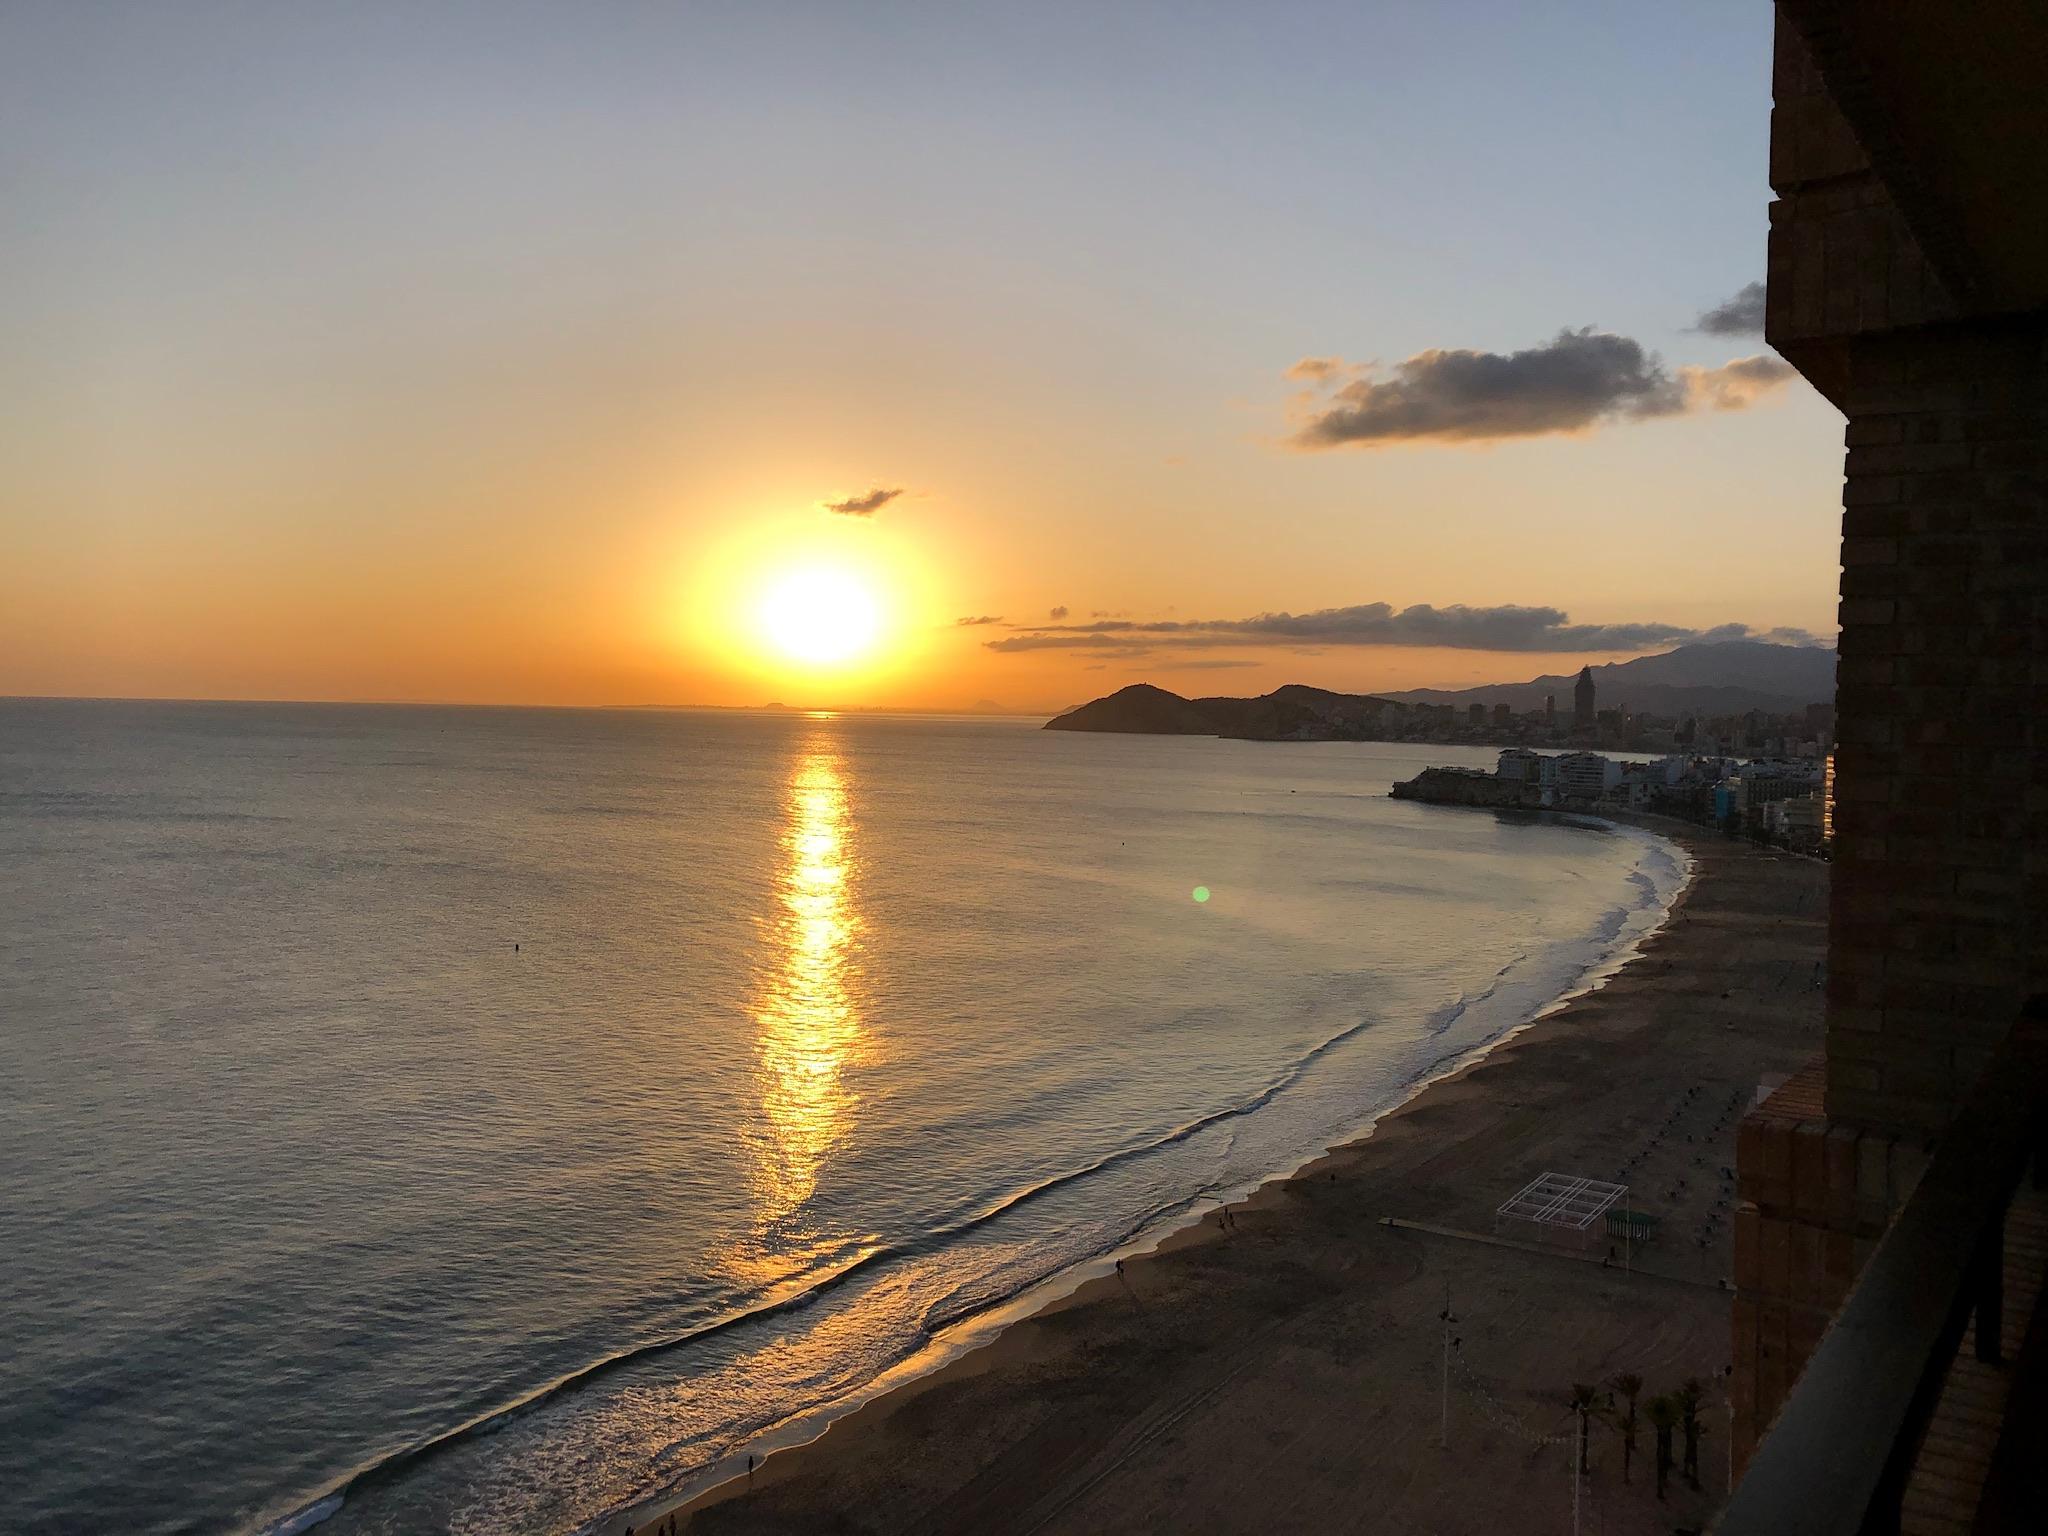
{"x":1836,"y":1461}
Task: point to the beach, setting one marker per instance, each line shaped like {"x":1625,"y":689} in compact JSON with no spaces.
{"x":1282,"y":1364}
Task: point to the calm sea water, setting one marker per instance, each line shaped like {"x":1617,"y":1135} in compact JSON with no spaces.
{"x":479,"y":1120}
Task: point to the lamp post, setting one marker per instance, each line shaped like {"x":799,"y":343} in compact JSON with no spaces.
{"x":1443,"y":1433}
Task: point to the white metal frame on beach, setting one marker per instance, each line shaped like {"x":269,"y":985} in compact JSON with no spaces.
{"x":1562,"y":1200}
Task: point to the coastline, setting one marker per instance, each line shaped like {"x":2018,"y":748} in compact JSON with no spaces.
{"x":962,"y":1341}
{"x":1008,"y":1343}
{"x":961,"y":1347}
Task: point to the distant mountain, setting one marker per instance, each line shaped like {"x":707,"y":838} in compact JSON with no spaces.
{"x":1724,"y":677}
{"x":1291,"y":713}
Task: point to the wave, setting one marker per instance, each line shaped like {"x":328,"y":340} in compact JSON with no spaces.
{"x":1445,"y":1017}
{"x":398,"y":1462}
{"x":307,"y":1518}
{"x":388,"y":1468}
{"x":1608,"y":955}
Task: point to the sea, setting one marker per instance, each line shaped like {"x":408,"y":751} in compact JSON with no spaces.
{"x":485,"y":1120}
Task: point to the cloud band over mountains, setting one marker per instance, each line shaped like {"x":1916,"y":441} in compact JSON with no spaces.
{"x":1510,"y":627}
{"x":1573,"y":383}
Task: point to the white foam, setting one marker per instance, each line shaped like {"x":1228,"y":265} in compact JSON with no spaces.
{"x":306,"y":1518}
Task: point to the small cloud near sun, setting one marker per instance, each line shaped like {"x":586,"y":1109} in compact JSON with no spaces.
{"x":1060,"y":612}
{"x":979,"y":618}
{"x":866,"y":505}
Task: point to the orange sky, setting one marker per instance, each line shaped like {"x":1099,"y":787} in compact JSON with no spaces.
{"x":514,"y":378}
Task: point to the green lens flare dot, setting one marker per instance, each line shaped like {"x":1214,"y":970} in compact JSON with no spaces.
{"x":1201,"y":893}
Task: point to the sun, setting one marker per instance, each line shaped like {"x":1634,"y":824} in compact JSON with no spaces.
{"x":822,"y":617}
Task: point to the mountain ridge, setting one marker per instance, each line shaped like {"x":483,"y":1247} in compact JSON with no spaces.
{"x":1719,"y":677}
{"x":1729,"y":677}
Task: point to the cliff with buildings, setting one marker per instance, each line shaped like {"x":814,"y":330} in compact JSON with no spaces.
{"x":1468,"y":786}
{"x":1789,"y":803}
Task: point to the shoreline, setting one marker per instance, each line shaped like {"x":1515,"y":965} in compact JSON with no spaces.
{"x":960,"y":1341}
{"x":1212,"y":1331}
{"x":944,"y":1358}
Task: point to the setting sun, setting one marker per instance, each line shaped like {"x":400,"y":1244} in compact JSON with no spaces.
{"x":824,"y":617}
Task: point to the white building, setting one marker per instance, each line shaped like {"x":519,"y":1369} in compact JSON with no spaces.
{"x":1584,"y":775}
{"x":1521,"y":766}
{"x":1801,"y":823}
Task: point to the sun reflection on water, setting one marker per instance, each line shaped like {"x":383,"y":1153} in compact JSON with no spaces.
{"x":809,"y":1031}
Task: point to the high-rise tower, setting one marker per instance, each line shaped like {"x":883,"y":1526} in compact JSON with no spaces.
{"x":1582,"y":700}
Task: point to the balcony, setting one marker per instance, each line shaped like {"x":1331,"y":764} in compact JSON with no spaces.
{"x":1925,"y":1407}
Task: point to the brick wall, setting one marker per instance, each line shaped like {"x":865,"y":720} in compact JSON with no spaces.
{"x":1941,"y":803}
{"x":1941,"y":770}
{"x":1941,"y":812}
{"x":1814,"y":1198}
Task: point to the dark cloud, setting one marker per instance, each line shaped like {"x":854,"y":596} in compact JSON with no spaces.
{"x":1059,"y":612}
{"x":980,"y":618}
{"x":1742,"y":315}
{"x":1573,"y":383}
{"x":865,"y":505}
{"x":1570,"y":384}
{"x":1457,"y":627}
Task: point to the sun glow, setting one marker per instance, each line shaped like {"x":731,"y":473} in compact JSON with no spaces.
{"x":822,"y":616}
{"x":790,"y":608}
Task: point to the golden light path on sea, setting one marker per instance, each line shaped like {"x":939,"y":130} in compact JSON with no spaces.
{"x":809,"y":1027}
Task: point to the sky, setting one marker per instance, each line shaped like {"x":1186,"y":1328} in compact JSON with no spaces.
{"x":520,"y":353}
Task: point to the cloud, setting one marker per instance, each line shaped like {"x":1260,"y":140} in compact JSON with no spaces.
{"x":1742,"y":315}
{"x":1569,"y":384}
{"x":980,"y":618}
{"x":1573,"y":383}
{"x":1735,"y":385}
{"x":1059,"y":612}
{"x":866,"y":505}
{"x":1510,"y":627}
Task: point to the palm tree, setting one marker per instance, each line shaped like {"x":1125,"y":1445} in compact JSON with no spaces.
{"x":1585,"y":1402}
{"x":1688,"y":1397}
{"x":1663,"y":1415}
{"x":1630,"y":1386}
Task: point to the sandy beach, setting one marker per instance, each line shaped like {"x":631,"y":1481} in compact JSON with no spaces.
{"x":1280,"y":1367}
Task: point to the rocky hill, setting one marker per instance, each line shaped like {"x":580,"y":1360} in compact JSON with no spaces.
{"x":1291,"y":713}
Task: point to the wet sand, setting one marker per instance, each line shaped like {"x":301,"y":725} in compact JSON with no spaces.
{"x":1281,"y":1368}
